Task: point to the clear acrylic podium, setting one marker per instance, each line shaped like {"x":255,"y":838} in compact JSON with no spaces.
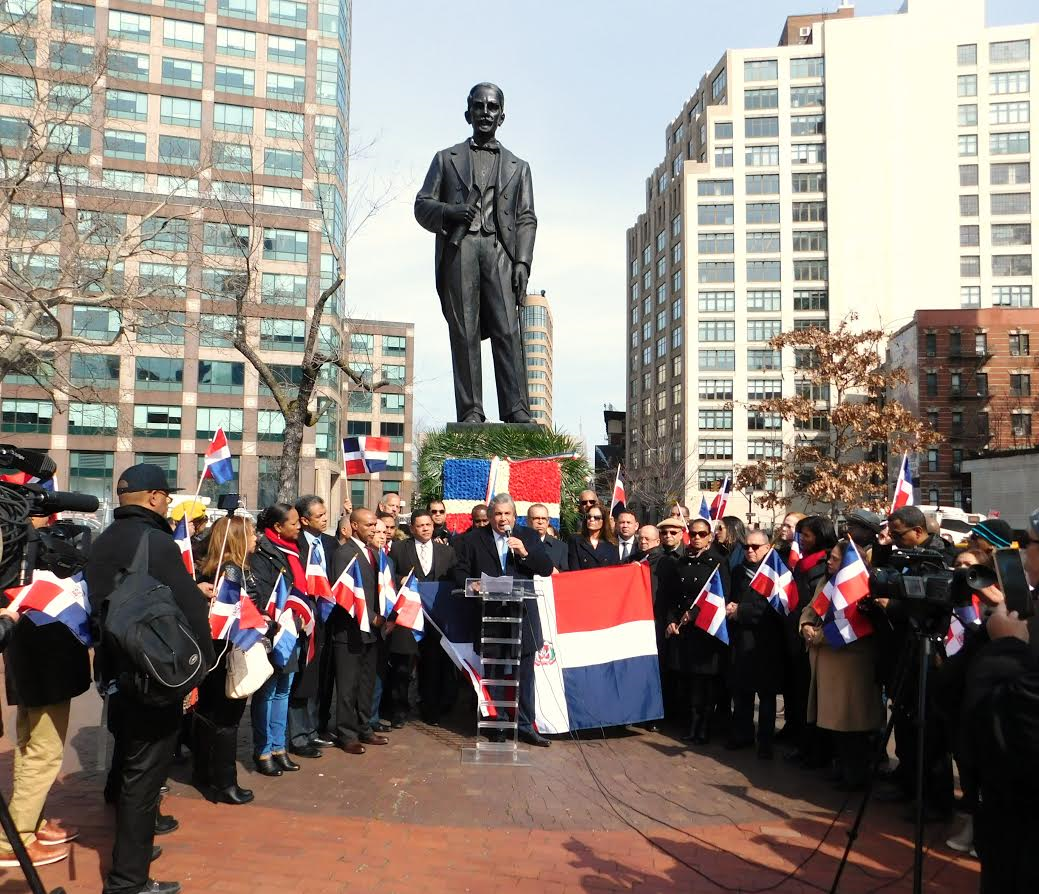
{"x":501,"y":645}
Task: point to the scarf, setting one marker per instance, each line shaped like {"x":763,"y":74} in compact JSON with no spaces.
{"x":291,"y":551}
{"x":808,"y":562}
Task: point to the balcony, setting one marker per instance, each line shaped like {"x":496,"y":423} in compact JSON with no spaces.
{"x":977,"y":354}
{"x":967,"y":394}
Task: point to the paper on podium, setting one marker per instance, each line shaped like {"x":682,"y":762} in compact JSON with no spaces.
{"x":495,"y":586}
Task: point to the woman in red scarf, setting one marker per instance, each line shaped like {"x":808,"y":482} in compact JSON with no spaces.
{"x":277,"y":553}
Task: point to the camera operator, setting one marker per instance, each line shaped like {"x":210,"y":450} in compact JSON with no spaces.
{"x":145,"y":735}
{"x":46,"y":667}
{"x":897,"y":661}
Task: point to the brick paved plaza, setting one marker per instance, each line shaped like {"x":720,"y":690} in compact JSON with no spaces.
{"x":409,"y":817}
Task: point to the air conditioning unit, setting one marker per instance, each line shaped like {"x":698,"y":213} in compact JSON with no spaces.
{"x":1019,"y":432}
{"x":806,"y":31}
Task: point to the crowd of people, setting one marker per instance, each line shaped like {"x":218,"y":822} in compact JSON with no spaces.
{"x":349,"y":688}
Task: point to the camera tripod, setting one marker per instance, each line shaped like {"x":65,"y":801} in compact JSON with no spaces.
{"x":922,"y":640}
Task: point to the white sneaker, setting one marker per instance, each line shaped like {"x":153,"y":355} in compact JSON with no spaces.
{"x":963,"y":841}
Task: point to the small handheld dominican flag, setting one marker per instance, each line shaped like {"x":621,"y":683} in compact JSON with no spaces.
{"x":348,"y":592}
{"x":705,"y":513}
{"x":317,"y":581}
{"x":233,"y":617}
{"x":280,"y":593}
{"x":904,"y":487}
{"x":774,"y":581}
{"x":795,"y":552}
{"x":721,"y":499}
{"x":844,"y":627}
{"x":365,"y":454}
{"x":846,"y":587}
{"x":183,"y":541}
{"x":711,"y":600}
{"x":302,"y":608}
{"x":285,"y":639}
{"x":619,"y":502}
{"x":218,"y":459}
{"x":387,"y":592}
{"x":409,"y":607}
{"x":49,"y":598}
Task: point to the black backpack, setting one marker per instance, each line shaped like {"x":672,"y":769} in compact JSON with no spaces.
{"x":157,"y":654}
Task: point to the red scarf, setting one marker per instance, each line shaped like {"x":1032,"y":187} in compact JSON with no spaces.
{"x":808,"y":562}
{"x":291,"y":551}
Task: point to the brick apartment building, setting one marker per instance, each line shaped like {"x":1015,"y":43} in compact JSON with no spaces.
{"x":971,"y":377}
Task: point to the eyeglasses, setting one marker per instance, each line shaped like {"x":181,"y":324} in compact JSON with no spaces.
{"x":589,"y":502}
{"x":757,"y":546}
{"x":594,"y":518}
{"x":670,"y":532}
{"x":438,"y":512}
{"x":699,"y":534}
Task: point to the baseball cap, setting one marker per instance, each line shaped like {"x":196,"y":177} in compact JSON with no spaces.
{"x":144,"y":476}
{"x":996,"y":531}
{"x":866,"y":519}
{"x":671,"y":523}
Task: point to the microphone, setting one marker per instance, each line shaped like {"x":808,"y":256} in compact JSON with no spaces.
{"x":508,"y":533}
{"x":33,"y":462}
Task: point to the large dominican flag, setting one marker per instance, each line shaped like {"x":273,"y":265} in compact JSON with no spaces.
{"x":598,"y":666}
{"x":218,"y":459}
{"x":721,"y":499}
{"x":365,"y":454}
{"x":904,"y":487}
{"x":468,"y":482}
{"x":49,"y":598}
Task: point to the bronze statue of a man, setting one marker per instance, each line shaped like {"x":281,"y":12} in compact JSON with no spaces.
{"x":478,"y":200}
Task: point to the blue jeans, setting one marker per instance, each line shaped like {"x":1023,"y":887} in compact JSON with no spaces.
{"x":270,"y":711}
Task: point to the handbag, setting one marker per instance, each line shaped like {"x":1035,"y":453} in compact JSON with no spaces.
{"x":247,"y":671}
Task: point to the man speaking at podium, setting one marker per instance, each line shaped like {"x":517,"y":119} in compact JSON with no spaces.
{"x":502,"y":549}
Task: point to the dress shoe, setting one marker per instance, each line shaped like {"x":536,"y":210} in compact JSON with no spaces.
{"x":164,"y":824}
{"x":164,"y":789}
{"x":374,"y":739}
{"x":381,"y":727}
{"x":154,"y":887}
{"x":55,"y":832}
{"x":473,"y":419}
{"x":532,"y":737}
{"x":399,"y":723}
{"x":40,"y":855}
{"x":156,"y":852}
{"x":284,"y":761}
{"x":267,"y":766}
{"x":305,"y":750}
{"x":321,"y":742}
{"x":963,"y":841}
{"x":233,"y":794}
{"x":521,"y":416}
{"x":351,"y":747}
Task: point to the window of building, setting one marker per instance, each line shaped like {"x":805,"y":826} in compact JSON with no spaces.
{"x":810,"y":270}
{"x":715,"y":448}
{"x":717,"y":330}
{"x":1016,"y":143}
{"x":811,"y":67}
{"x":179,"y":150}
{"x":715,"y":389}
{"x":759,"y":300}
{"x":1011,"y":203}
{"x":720,"y":420}
{"x":811,"y":299}
{"x":970,"y":235}
{"x":754,"y":100}
{"x":762,"y":242}
{"x":1004,"y":82}
{"x":814,"y":181}
{"x":967,"y":85}
{"x":90,"y":472}
{"x":286,"y":50}
{"x":233,"y":42}
{"x":126,"y":104}
{"x":392,"y":403}
{"x":716,"y":271}
{"x":231,"y":79}
{"x":967,"y":54}
{"x":970,"y":296}
{"x":809,"y":212}
{"x":156,"y":421}
{"x":282,"y":335}
{"x":1010,"y":173}
{"x":809,"y":240}
{"x":1012,"y":234}
{"x":95,"y":323}
{"x":159,"y":373}
{"x":762,"y":212}
{"x":1009,"y":113}
{"x":209,"y":419}
{"x":968,"y":175}
{"x":239,"y":9}
{"x":187,"y":35}
{"x":285,"y":245}
{"x":967,"y":116}
{"x":1012,"y":296}
{"x":221,"y":377}
{"x":764,"y":359}
{"x":1003,"y":51}
{"x":180,"y":112}
{"x":126,"y":65}
{"x":762,"y":156}
{"x":762,"y":184}
{"x":761,"y":421}
{"x":160,"y":327}
{"x":764,"y":389}
{"x":807,"y":125}
{"x":1011,"y":265}
{"x":723,"y":157}
{"x":288,"y":88}
{"x":764,"y":271}
{"x":763,"y":330}
{"x":808,"y":153}
{"x":1021,"y":424}
{"x":715,"y":214}
{"x":802,"y":97}
{"x":712,"y":359}
{"x":92,"y":419}
{"x":26,"y":416}
{"x":970,"y":265}
{"x":288,"y":13}
{"x":125,"y":144}
{"x":129,"y":26}
{"x":1020,"y":384}
{"x":715,"y":243}
{"x":716,"y":302}
{"x":283,"y":163}
{"x":182,"y":73}
{"x":761,"y":70}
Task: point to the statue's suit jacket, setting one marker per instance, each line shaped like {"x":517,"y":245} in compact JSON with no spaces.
{"x":448,"y":182}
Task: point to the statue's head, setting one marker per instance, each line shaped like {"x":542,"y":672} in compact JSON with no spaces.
{"x":485,"y":111}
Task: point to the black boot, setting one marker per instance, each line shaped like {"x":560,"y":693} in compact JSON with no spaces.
{"x":224,"y":770}
{"x":702,"y":727}
{"x":201,"y":751}
{"x":694,"y":723}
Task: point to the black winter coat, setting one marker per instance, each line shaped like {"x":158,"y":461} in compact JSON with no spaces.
{"x":114,"y":550}
{"x":807,"y":580}
{"x":694,"y":651}
{"x":582,"y":555}
{"x":757,"y":637}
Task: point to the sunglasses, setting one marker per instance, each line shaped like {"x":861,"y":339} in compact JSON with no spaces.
{"x":699,"y":534}
{"x":589,"y":502}
{"x":757,"y":546}
{"x":594,"y":518}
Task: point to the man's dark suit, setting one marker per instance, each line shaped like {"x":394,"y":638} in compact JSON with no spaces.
{"x":355,"y":653}
{"x":479,"y":555}
{"x":311,"y":695}
{"x":437,"y":676}
{"x":476,"y":296}
{"x":557,"y":552}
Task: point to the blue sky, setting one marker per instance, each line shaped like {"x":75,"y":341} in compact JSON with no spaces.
{"x":589,"y":88}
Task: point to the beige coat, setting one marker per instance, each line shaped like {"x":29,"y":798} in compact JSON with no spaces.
{"x":844,"y":695}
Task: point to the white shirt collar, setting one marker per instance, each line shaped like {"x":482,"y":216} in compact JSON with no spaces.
{"x":361,"y":544}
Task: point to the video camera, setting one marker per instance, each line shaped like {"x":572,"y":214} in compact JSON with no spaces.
{"x":928,"y":589}
{"x":61,"y":548}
